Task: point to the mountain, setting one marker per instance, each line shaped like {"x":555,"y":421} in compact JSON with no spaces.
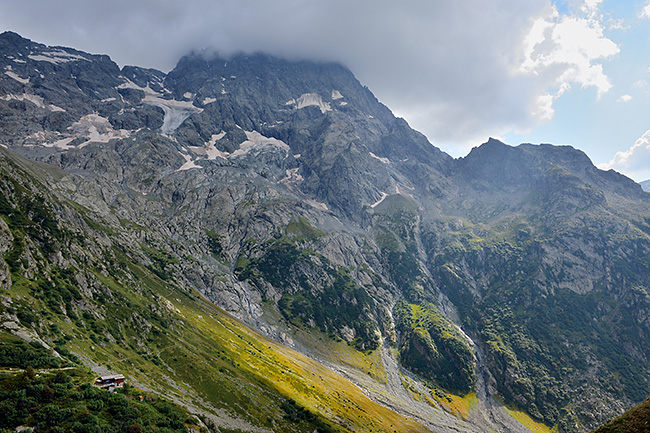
{"x":645,"y":185}
{"x":258,"y":237}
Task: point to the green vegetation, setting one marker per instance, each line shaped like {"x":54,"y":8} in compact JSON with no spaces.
{"x":163,"y":262}
{"x":341,"y":304}
{"x":300,"y":229}
{"x":64,"y":401}
{"x":215,"y":243}
{"x":635,"y":420}
{"x":395,"y":236}
{"x":555,"y":299}
{"x":528,"y":422}
{"x":298,"y":414}
{"x":28,"y":215}
{"x":431,"y":346}
{"x":538,"y":337}
{"x":316,"y":292}
{"x":16,"y":353}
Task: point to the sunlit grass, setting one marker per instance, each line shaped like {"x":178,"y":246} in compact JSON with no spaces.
{"x":309,"y":383}
{"x":205,"y":358}
{"x":528,"y":422}
{"x":459,"y":406}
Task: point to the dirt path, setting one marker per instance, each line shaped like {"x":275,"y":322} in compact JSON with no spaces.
{"x":38,"y":371}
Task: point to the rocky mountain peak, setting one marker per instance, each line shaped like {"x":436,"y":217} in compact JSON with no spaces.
{"x":533,"y":166}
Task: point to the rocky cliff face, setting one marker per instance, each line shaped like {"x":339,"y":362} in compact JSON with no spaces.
{"x":288,"y":195}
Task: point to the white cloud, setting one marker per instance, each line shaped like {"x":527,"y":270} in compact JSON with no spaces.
{"x":645,"y":12}
{"x":625,"y":98}
{"x":617,"y":24}
{"x":566,"y":50}
{"x":634,"y":162}
{"x":591,"y":7}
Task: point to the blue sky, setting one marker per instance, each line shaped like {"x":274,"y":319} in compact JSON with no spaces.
{"x":614,"y":121}
{"x":541,"y":71}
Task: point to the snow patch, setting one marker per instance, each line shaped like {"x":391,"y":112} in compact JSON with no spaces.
{"x":336,"y":95}
{"x":16,"y":77}
{"x":34,"y":99}
{"x":131,"y":85}
{"x":292,"y":177}
{"x":61,"y":144}
{"x":56,"y":57}
{"x":317,"y":204}
{"x":343,"y":104}
{"x":256,"y":140}
{"x":188,"y":163}
{"x":312,"y":100}
{"x":404,"y":190}
{"x":49,"y":139}
{"x":209,"y":150}
{"x":209,"y":101}
{"x":97,"y":129}
{"x":217,"y":137}
{"x":108,"y":100}
{"x":383,"y":197}
{"x":188,"y":95}
{"x":175,"y":111}
{"x":379,"y":158}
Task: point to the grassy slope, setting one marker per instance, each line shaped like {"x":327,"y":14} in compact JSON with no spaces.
{"x":203,"y":358}
{"x":195,"y":353}
{"x":635,"y":420}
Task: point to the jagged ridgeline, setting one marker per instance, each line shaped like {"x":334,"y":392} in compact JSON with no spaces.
{"x":264,"y":243}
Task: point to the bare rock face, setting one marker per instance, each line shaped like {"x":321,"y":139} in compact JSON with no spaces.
{"x":6,"y":239}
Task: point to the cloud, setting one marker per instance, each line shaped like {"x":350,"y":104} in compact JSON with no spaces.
{"x":625,"y":98}
{"x":457,"y":71}
{"x":617,"y":24}
{"x":634,"y":162}
{"x":645,"y":12}
{"x":566,"y":49}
